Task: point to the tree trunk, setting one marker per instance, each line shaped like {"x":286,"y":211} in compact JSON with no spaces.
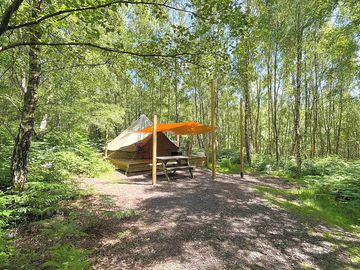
{"x":176,"y":90}
{"x":275,"y":92}
{"x":20,"y":155}
{"x":269,"y":105}
{"x":315,"y":106}
{"x":298,"y":96}
{"x":257,"y":121}
{"x":307,"y":112}
{"x":340,"y":122}
{"x":248,"y":113}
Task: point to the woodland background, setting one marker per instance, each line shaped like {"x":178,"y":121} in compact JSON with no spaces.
{"x":75,"y":73}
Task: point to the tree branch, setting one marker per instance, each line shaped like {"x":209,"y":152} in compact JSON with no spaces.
{"x":82,"y":65}
{"x":9,"y":12}
{"x":94,"y":46}
{"x":80,"y":9}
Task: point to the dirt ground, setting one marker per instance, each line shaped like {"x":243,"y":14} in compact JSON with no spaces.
{"x":202,"y":223}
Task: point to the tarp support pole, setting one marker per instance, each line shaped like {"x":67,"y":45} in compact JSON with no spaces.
{"x":106,"y":141}
{"x":241,"y":138}
{"x":154,"y":152}
{"x":178,"y":140}
{"x":213,"y":135}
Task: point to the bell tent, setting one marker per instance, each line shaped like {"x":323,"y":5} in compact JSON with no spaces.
{"x":131,"y":151}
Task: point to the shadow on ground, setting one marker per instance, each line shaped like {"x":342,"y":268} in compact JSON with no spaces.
{"x":205,"y":224}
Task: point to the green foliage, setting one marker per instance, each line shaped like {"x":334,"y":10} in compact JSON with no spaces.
{"x":52,"y":164}
{"x":264,"y":163}
{"x":335,"y":177}
{"x":307,"y":202}
{"x":6,"y":248}
{"x":232,"y":155}
{"x":123,"y":234}
{"x":59,"y":239}
{"x":6,"y":147}
{"x":38,"y":200}
{"x":61,"y":229}
{"x":61,"y":155}
{"x":330,"y":187}
{"x":67,"y":257}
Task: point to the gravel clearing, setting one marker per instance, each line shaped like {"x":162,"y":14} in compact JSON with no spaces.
{"x":202,"y":223}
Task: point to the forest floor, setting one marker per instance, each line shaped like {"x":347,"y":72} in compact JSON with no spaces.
{"x":204,"y":224}
{"x":200,"y":223}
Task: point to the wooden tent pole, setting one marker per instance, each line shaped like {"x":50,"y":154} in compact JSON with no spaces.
{"x":106,"y":141}
{"x":213,"y":134}
{"x":178,"y":140}
{"x":154,"y":152}
{"x":241,"y":138}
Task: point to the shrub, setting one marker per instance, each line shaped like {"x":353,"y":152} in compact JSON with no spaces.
{"x":52,"y":163}
{"x":324,"y":166}
{"x":264,"y":163}
{"x":6,"y":147}
{"x":61,"y":155}
{"x":67,"y":257}
{"x":337,"y":178}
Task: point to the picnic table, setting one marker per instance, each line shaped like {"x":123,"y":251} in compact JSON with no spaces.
{"x":175,"y":163}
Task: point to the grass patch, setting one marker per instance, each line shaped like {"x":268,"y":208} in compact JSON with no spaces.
{"x":123,"y":234}
{"x":306,"y":202}
{"x":65,"y":240}
{"x":354,"y":252}
{"x":328,"y":189}
{"x":112,"y":177}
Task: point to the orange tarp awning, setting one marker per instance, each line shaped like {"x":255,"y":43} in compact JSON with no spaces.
{"x":184,"y":128}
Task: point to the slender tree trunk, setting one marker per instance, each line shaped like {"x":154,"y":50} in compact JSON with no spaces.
{"x":160,"y":93}
{"x":269,"y":105}
{"x":257,"y":121}
{"x":338,"y":134}
{"x":275,"y":99}
{"x":20,"y":155}
{"x":176,"y":92}
{"x":307,"y":111}
{"x":315,"y":106}
{"x":248,"y":113}
{"x":168,"y":106}
{"x":298,"y":95}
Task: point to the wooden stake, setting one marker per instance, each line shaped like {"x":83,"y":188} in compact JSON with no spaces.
{"x":213,"y":126}
{"x":106,"y":142}
{"x":241,"y":138}
{"x":154,"y":153}
{"x":178,"y":140}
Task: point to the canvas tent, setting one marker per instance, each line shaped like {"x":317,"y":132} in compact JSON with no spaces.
{"x":131,"y":151}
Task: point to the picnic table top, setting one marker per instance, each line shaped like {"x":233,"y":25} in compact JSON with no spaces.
{"x":165,"y":158}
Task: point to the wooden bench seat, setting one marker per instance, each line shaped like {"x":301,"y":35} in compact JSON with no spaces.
{"x":173,"y":169}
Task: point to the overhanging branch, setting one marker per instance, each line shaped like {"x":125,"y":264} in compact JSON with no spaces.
{"x":9,"y":12}
{"x":94,"y":46}
{"x":80,"y":9}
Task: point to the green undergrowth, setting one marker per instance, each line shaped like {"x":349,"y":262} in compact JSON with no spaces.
{"x":306,"y":202}
{"x":66,"y":240}
{"x":328,"y":191}
{"x":328,"y":188}
{"x":53,"y":163}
